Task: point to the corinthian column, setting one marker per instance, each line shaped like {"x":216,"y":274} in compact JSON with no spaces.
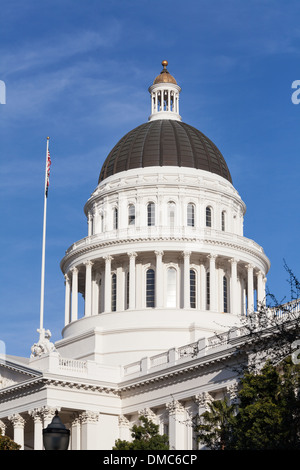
{"x":186,"y":279}
{"x":250,"y":296}
{"x":159,"y":279}
{"x":74,"y":314}
{"x":18,"y":423}
{"x":132,"y":257}
{"x":67,"y":299}
{"x":107,"y":286}
{"x":88,"y":288}
{"x":212,"y":282}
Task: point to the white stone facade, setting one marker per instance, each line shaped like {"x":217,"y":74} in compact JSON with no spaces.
{"x":165,"y":272}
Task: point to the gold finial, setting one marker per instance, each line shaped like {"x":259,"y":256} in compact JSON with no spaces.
{"x":164,"y":63}
{"x":48,"y":138}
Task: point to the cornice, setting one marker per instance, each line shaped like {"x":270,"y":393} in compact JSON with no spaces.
{"x":90,"y":247}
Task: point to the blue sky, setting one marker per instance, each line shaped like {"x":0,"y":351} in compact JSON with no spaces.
{"x":78,"y":71}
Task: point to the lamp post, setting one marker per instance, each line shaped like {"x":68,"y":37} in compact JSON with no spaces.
{"x":56,"y":436}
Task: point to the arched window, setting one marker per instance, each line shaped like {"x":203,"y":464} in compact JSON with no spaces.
{"x":191,"y":215}
{"x":208,"y":217}
{"x":207,"y":290}
{"x":131,"y":214}
{"x":150,"y":288}
{"x":115,"y":219}
{"x":192,"y":288}
{"x":151,"y":214}
{"x":171,"y":288}
{"x":225,"y":294}
{"x":223,"y":216}
{"x":171,"y":214}
{"x":114,"y":293}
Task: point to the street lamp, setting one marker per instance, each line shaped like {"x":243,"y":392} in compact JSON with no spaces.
{"x":56,"y":436}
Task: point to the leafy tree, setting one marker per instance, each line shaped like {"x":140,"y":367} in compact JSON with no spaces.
{"x":215,"y":426}
{"x":267,"y":416}
{"x":145,"y":437}
{"x":8,"y":444}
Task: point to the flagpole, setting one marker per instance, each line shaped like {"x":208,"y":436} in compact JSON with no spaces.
{"x":44,"y":241}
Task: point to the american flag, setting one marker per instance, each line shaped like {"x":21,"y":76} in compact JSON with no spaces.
{"x":48,"y":172}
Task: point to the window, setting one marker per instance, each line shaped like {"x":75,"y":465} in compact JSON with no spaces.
{"x":191,"y":215}
{"x":223,"y":220}
{"x":150,"y":288}
{"x":171,"y":213}
{"x":208,"y":217}
{"x":151,"y":214}
{"x":225,"y":294}
{"x":102,"y":223}
{"x":115,"y":220}
{"x":131,"y":214}
{"x":114,"y":293}
{"x":192,"y":288}
{"x":207,"y":290}
{"x":171,"y":288}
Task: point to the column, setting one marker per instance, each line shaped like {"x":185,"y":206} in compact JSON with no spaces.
{"x":90,"y":224}
{"x":18,"y":423}
{"x":203,"y":401}
{"x":74,"y":313}
{"x":186,"y":279}
{"x":260,"y":289}
{"x":107,"y":286}
{"x":124,"y":428}
{"x":250,"y":292}
{"x":159,"y":280}
{"x":75,"y":433}
{"x":202,"y":287}
{"x":67,"y":299}
{"x":38,"y":429}
{"x":212,"y":282}
{"x":90,"y":430}
{"x":233,"y":287}
{"x":132,"y":257}
{"x":177,"y":426}
{"x":88,"y":288}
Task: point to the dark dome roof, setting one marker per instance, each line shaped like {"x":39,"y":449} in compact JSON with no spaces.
{"x":165,"y":143}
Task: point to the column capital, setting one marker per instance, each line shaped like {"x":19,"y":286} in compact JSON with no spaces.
{"x":88,"y":263}
{"x":234,"y":260}
{"x":17,"y":420}
{"x":66,"y":276}
{"x":249,"y":266}
{"x":89,"y":417}
{"x":175,"y":407}
{"x":132,"y":254}
{"x":204,"y":399}
{"x":107,"y":258}
{"x":123,"y":421}
{"x":74,"y":270}
{"x":159,"y":253}
{"x":212,"y":256}
{"x":186,"y":254}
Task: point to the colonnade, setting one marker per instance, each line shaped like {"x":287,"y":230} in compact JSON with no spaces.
{"x":245,"y":284}
{"x":87,"y":428}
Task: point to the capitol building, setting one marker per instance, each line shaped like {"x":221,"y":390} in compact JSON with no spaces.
{"x":166,"y":276}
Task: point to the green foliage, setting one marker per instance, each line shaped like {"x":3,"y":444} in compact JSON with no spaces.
{"x":145,"y":437}
{"x":8,"y":444}
{"x":267,"y":416}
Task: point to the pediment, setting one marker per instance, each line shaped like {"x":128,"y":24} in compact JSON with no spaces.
{"x":14,"y":372}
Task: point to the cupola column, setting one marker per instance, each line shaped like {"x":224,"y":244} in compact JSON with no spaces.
{"x":67,"y":299}
{"x":88,"y":288}
{"x":212,"y":282}
{"x":107,"y":287}
{"x":233,"y":287}
{"x":260,"y":288}
{"x":186,"y":278}
{"x":159,"y":279}
{"x":132,"y":294}
{"x":250,"y":289}
{"x":74,"y":314}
